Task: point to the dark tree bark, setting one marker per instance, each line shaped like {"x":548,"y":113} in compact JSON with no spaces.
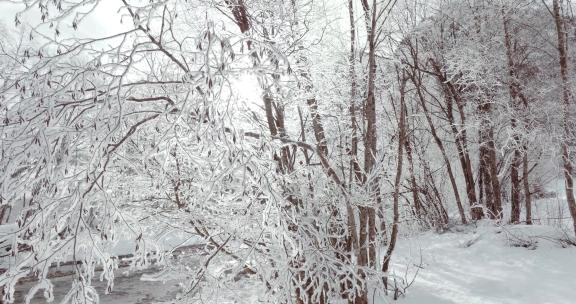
{"x":515,"y":187}
{"x":526,"y":183}
{"x":367,"y":214}
{"x":515,"y":94}
{"x":356,"y":173}
{"x":5,"y":213}
{"x":317,"y":127}
{"x":433,"y":195}
{"x":566,"y":101}
{"x":370,"y":143}
{"x":452,"y":96}
{"x":397,"y":181}
{"x":417,"y":204}
{"x":488,"y":162}
{"x":442,"y":149}
{"x":415,"y":78}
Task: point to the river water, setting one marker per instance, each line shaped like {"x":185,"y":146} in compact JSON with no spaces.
{"x":128,"y":289}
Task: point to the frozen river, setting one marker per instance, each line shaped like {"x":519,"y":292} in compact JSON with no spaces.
{"x":128,"y":288}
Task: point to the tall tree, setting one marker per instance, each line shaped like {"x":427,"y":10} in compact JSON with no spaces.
{"x":567,"y":105}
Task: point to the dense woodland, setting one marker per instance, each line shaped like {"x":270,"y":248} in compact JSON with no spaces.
{"x":298,"y":140}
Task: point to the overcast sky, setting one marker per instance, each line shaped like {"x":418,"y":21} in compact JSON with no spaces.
{"x":104,"y":20}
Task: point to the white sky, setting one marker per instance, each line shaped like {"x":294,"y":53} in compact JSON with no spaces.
{"x":104,"y":20}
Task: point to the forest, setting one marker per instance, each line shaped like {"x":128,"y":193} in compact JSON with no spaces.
{"x":302,"y":151}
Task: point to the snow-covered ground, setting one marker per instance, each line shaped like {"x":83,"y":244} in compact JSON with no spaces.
{"x":490,"y":263}
{"x":483,"y":265}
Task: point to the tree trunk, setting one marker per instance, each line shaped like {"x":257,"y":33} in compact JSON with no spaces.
{"x":275,"y":119}
{"x":485,"y":172}
{"x":488,"y":164}
{"x":370,"y":141}
{"x":461,"y":137}
{"x":515,"y":187}
{"x":4,"y":213}
{"x":527,"y":197}
{"x":566,"y":96}
{"x":514,"y":89}
{"x":356,"y":173}
{"x":396,"y":216}
{"x":495,"y":182}
{"x":367,"y":214}
{"x":451,"y":96}
{"x":440,"y":145}
{"x":417,"y":205}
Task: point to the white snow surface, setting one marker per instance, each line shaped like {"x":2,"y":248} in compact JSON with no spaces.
{"x":471,"y":264}
{"x":481,"y":265}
